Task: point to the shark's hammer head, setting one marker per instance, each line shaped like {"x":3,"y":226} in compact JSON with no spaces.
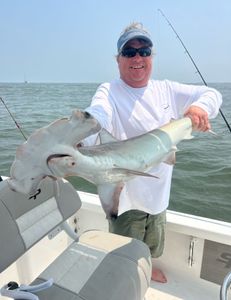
{"x":55,"y":142}
{"x":85,"y":123}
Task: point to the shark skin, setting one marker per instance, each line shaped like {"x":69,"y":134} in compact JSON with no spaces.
{"x":114,"y":162}
{"x":58,"y":138}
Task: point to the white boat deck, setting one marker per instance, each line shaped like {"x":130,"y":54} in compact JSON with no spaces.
{"x":181,"y":287}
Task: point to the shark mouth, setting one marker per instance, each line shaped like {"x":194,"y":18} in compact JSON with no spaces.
{"x":57,"y":156}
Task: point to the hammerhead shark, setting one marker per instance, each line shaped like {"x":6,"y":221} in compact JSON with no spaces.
{"x":53,"y":151}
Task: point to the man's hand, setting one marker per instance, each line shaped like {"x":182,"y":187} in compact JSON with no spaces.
{"x":199,"y":117}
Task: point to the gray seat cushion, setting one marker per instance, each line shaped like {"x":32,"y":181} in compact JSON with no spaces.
{"x":101,"y":266}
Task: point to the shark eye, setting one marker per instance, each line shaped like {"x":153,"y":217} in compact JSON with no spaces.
{"x":87,"y":115}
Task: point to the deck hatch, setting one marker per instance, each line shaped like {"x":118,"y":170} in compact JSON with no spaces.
{"x":216,"y":261}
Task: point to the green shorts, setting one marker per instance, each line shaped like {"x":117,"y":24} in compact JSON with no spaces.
{"x":145,"y":227}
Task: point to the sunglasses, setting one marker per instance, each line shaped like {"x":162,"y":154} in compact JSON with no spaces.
{"x":131,"y":52}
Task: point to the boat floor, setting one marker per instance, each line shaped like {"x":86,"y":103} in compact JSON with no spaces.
{"x":181,"y":287}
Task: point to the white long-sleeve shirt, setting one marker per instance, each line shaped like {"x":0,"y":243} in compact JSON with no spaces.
{"x":127,"y":112}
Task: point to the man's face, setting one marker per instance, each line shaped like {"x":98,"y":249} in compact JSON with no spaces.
{"x":135,"y":71}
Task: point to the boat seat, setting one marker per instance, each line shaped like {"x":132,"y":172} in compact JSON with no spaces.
{"x":97,"y":265}
{"x":101,"y":266}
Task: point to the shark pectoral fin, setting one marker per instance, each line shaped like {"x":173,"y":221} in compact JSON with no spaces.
{"x":128,"y":172}
{"x":109,"y":197}
{"x":171,"y":156}
{"x":106,"y":137}
{"x":170,"y":159}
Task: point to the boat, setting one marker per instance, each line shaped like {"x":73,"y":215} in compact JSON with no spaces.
{"x":197,"y":255}
{"x":196,"y":259}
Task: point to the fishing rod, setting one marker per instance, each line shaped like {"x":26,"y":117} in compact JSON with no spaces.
{"x":12,"y":117}
{"x":192,"y":60}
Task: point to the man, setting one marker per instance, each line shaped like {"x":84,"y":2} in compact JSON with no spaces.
{"x":133,"y":105}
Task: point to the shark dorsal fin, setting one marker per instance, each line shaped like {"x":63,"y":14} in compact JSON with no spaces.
{"x":106,"y":137}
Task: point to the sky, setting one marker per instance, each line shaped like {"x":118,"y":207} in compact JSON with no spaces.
{"x":75,"y":41}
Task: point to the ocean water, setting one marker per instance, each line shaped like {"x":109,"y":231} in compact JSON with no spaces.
{"x":202,"y":175}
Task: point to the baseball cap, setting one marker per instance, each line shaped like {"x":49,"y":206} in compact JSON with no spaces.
{"x":133,"y":33}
